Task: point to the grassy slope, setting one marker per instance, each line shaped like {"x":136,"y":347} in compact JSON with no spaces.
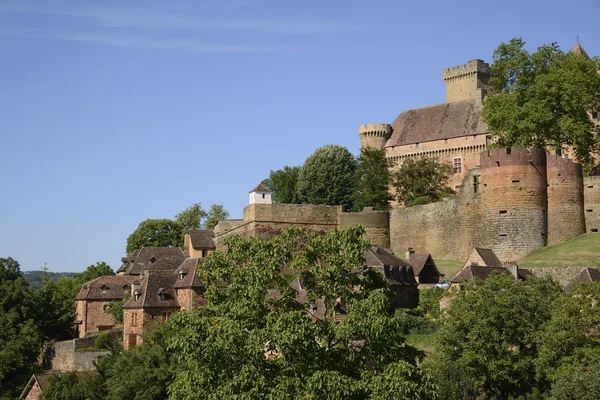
{"x":582,"y":251}
{"x":448,"y":267}
{"x":422,"y":341}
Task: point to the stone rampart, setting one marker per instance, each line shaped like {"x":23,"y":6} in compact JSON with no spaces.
{"x":566,"y":218}
{"x":376,"y":223}
{"x":591,"y":190}
{"x":299,"y":214}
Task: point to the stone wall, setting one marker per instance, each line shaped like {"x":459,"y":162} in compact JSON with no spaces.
{"x":565,"y":199}
{"x":513,"y":202}
{"x":133,"y":327}
{"x":591,"y":190}
{"x":95,"y":318}
{"x":376,"y":223}
{"x":562,"y":275}
{"x":66,"y":357}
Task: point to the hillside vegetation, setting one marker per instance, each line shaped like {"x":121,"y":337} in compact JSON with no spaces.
{"x":582,"y":251}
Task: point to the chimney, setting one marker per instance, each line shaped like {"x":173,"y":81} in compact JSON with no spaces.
{"x":513,"y":268}
{"x":409,"y":253}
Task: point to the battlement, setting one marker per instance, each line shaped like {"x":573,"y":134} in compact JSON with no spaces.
{"x":564,"y":166}
{"x":512,"y":156}
{"x":383,"y":129}
{"x":470,"y":68}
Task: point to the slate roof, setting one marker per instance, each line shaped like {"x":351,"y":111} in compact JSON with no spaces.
{"x":376,"y":256}
{"x":202,"y":239}
{"x":155,"y":283}
{"x":164,"y":264}
{"x":190,"y":277}
{"x":441,"y":121}
{"x":470,"y":272}
{"x":136,"y":261}
{"x":261,"y":188}
{"x":395,"y":270}
{"x":586,"y":275}
{"x":106,"y":288}
{"x":489,"y":257}
{"x":578,"y":49}
{"x":419,"y":260}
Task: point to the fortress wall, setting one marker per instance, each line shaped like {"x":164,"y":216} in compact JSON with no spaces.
{"x":591,"y":191}
{"x":376,"y":223}
{"x":566,"y":218}
{"x":298,"y":214}
{"x":226,"y":225}
{"x":513,"y":202}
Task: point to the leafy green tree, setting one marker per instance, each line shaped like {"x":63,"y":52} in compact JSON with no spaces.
{"x":490,"y":337}
{"x":284,"y":184}
{"x":327,"y":177}
{"x":374,"y":180}
{"x":64,"y":387}
{"x":543,"y":99}
{"x":156,"y":233}
{"x":94,"y":271}
{"x":256,"y":340}
{"x":569,"y":341}
{"x":578,"y":383}
{"x":19,"y":335}
{"x":422,"y":177}
{"x":215,"y":213}
{"x":191,"y":217}
{"x":115,"y":308}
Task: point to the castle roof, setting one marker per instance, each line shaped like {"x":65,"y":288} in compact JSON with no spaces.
{"x":140,"y":258}
{"x":441,"y":121}
{"x":578,"y":50}
{"x":586,"y":275}
{"x":106,"y":288}
{"x":261,"y":188}
{"x":202,"y":239}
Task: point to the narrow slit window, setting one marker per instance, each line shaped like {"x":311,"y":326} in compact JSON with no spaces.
{"x":595,"y":230}
{"x":589,"y":210}
{"x":503,"y":235}
{"x":516,"y":180}
{"x":503,"y":211}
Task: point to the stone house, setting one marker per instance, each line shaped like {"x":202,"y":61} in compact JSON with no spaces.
{"x":483,"y":258}
{"x":424,"y":267}
{"x":34,"y":390}
{"x":91,"y":303}
{"x":586,"y":275}
{"x":198,"y":243}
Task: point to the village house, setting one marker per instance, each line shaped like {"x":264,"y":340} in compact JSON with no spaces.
{"x":585,"y":276}
{"x":424,"y":268}
{"x":199,"y":243}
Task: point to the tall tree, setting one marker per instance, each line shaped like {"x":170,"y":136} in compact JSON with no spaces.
{"x":94,"y":271}
{"x":422,"y":178}
{"x":256,"y":340}
{"x":490,"y":337}
{"x":191,"y":218}
{"x":374,"y":180}
{"x":215,"y":213}
{"x":156,"y":233}
{"x":544,"y":99}
{"x":327,"y":177}
{"x":284,"y":184}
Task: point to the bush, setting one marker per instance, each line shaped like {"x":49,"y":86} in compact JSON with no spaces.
{"x":419,"y":201}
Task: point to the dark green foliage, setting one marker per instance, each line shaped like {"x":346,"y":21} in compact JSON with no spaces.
{"x":327,"y":177}
{"x":543,"y":99}
{"x":94,"y":271}
{"x":421,"y":179}
{"x":20,"y":339}
{"x":374,"y":180}
{"x":156,"y":233}
{"x":577,"y":383}
{"x":115,"y":308}
{"x":64,"y":387}
{"x":215,"y":213}
{"x":191,"y":218}
{"x":284,"y":184}
{"x":490,"y":337}
{"x":35,"y":278}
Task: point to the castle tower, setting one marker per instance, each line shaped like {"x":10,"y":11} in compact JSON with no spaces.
{"x":260,"y":195}
{"x":513,"y":202}
{"x":374,"y":135}
{"x":566,"y":217}
{"x":467,"y":81}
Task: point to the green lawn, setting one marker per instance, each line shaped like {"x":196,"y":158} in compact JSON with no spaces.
{"x":582,"y":251}
{"x":425,"y":342}
{"x":448,"y":267}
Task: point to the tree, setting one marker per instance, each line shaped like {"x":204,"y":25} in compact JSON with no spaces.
{"x":284,"y":184}
{"x":94,"y":271}
{"x":543,"y":99}
{"x":156,"y":233}
{"x":422,"y":178}
{"x":374,"y":180}
{"x":215,"y":213}
{"x":191,"y":217}
{"x":256,"y":339}
{"x":327,"y":177}
{"x":64,"y":387}
{"x":19,"y":335}
{"x":490,"y":337}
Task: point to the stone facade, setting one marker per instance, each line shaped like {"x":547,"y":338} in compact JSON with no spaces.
{"x":591,"y":190}
{"x":466,"y":81}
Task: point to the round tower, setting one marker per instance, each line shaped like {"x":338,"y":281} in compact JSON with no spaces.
{"x":374,"y":135}
{"x":513,"y":201}
{"x":566,"y":217}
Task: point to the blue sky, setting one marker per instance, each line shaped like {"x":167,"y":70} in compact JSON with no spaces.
{"x":113,"y":112}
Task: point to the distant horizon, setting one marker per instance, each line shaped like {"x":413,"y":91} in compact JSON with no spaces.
{"x":117,"y":113}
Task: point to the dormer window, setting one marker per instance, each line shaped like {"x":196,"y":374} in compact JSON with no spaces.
{"x":153,"y":259}
{"x":163,"y":295}
{"x":104,"y":289}
{"x":181,"y":275}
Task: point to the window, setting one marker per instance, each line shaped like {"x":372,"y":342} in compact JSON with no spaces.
{"x":457,"y":165}
{"x":134,"y":319}
{"x":263,"y":195}
{"x":105,"y":308}
{"x":475,"y":183}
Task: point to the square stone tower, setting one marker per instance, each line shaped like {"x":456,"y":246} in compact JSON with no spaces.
{"x":467,"y":81}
